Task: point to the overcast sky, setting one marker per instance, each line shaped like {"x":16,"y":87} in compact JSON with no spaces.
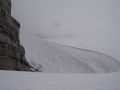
{"x":91,"y":24}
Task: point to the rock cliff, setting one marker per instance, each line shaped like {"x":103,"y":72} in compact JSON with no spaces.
{"x":12,"y":54}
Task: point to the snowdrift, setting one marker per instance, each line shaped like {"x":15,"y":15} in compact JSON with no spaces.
{"x":48,"y":56}
{"x":62,"y":81}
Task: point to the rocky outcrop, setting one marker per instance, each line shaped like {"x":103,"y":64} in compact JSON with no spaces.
{"x":12,"y":54}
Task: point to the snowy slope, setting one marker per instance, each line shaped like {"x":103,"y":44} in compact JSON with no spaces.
{"x":52,"y":57}
{"x":51,"y":81}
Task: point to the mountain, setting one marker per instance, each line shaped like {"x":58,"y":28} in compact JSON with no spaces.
{"x":48,"y":56}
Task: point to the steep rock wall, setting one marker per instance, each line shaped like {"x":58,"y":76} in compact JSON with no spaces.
{"x":12,"y":54}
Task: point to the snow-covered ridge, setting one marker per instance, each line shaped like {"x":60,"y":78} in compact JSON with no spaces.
{"x":52,"y":57}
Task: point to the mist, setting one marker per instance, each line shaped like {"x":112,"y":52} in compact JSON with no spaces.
{"x":90,"y":24}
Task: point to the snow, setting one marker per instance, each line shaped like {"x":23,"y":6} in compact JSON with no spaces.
{"x":12,"y":80}
{"x":48,"y":56}
{"x":63,"y":68}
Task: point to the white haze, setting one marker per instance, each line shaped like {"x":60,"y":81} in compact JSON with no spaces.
{"x":91,"y":24}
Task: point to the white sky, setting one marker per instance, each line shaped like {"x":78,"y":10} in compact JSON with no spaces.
{"x":91,"y":24}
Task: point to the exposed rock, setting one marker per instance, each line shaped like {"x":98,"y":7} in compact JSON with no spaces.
{"x":12,"y":54}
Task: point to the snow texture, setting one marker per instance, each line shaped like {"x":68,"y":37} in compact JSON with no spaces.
{"x":53,"y":81}
{"x":48,"y":56}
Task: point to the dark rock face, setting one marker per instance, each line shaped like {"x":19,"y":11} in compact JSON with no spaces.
{"x":12,"y":54}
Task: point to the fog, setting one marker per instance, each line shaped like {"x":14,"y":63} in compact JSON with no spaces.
{"x":90,"y":24}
